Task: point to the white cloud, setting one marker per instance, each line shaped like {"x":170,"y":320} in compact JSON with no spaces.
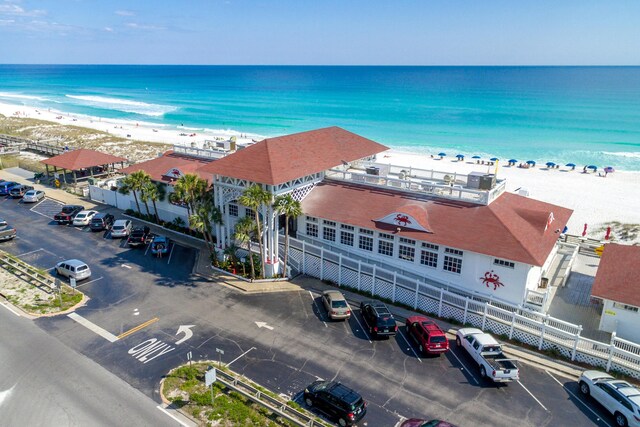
{"x":125,"y":13}
{"x":109,"y":29}
{"x":137,"y":26}
{"x":7,"y":21}
{"x":15,"y":10}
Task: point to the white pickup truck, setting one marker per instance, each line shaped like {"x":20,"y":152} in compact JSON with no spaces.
{"x":487,"y":353}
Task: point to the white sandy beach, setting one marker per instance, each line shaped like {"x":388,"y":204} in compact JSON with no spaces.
{"x":595,"y":200}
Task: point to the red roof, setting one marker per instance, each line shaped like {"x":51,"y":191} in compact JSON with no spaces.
{"x":82,"y":158}
{"x":512,"y":227}
{"x":159,"y":166}
{"x":281,"y":159}
{"x":618,"y":275}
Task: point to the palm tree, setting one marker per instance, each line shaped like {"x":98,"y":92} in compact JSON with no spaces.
{"x":253,"y":198}
{"x":191,"y":189}
{"x":155,"y":192}
{"x":290,"y":208}
{"x":245,"y":229}
{"x":134,"y":183}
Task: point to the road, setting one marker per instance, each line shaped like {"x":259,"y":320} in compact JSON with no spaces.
{"x":131,"y":326}
{"x":43,"y":382}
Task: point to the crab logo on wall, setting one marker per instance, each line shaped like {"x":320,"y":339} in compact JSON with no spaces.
{"x":402,"y":220}
{"x":491,"y":278}
{"x":174,"y":173}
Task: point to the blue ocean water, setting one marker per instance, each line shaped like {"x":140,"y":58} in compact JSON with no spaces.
{"x":585,"y":115}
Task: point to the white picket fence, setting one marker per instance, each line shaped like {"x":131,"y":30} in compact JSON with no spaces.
{"x":530,"y":327}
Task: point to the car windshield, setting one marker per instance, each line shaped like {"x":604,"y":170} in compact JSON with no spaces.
{"x":30,"y":193}
{"x":68,"y":209}
{"x":339,"y":304}
{"x":438,"y":339}
{"x":118,"y":227}
{"x":387,"y":321}
{"x":82,"y":268}
{"x":80,"y":216}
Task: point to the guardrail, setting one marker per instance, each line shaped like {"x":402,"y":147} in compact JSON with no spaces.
{"x":21,"y":269}
{"x":277,"y":406}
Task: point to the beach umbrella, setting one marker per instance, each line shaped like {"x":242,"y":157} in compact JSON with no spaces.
{"x":476,"y":157}
{"x":594,"y":167}
{"x":494,"y":159}
{"x":442,"y":154}
{"x":571,"y":165}
{"x":609,"y":169}
{"x":513,"y":161}
{"x":460,"y":156}
{"x":531,"y":162}
{"x":550,"y":164}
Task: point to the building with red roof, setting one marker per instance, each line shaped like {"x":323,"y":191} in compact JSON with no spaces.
{"x":82,"y":161}
{"x":617,"y":284}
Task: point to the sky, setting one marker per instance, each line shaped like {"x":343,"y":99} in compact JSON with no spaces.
{"x":321,"y":32}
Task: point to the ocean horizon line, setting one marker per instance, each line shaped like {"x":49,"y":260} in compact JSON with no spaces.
{"x":335,"y":65}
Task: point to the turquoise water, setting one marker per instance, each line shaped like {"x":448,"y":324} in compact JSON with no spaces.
{"x":585,"y":115}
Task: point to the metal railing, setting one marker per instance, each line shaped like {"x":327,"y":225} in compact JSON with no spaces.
{"x":26,"y":272}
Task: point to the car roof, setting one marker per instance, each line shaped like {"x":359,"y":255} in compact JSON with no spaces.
{"x":160,"y":239}
{"x":101,"y":215}
{"x":486,"y":339}
{"x":74,"y":262}
{"x":85,"y":212}
{"x":345,"y":393}
{"x":334,"y":295}
{"x":121,"y":221}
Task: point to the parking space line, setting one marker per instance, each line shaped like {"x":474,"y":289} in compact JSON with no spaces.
{"x":173,"y":245}
{"x":89,"y":282}
{"x":578,"y":399}
{"x":147,"y":250}
{"x":252,"y":348}
{"x":317,"y":308}
{"x":93,"y":327}
{"x":534,"y":398}
{"x":363,"y":330}
{"x":137,"y":328}
{"x":10,"y":309}
{"x":409,"y":344}
{"x":30,"y":252}
{"x":464,"y":367}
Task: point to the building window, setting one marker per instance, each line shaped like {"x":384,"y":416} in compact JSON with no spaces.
{"x":329,"y":233}
{"x":453,"y":251}
{"x":504,"y":263}
{"x":233,"y":209}
{"x":452,"y":264}
{"x":312,"y":230}
{"x":625,"y":307}
{"x":312,"y":219}
{"x":367,"y":232}
{"x":428,"y":258}
{"x":365,"y":243}
{"x":407,"y":253}
{"x":347,"y":227}
{"x":385,"y":247}
{"x":249,"y":212}
{"x":330,"y":223}
{"x":386,"y":236}
{"x":407,"y":241}
{"x":346,"y":238}
{"x":430,"y":246}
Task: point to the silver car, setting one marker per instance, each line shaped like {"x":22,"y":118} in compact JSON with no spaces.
{"x":33,"y":196}
{"x":618,"y":397}
{"x":121,"y":228}
{"x":336,"y":305}
{"x":73,"y":268}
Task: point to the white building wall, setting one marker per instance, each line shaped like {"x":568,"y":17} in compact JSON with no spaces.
{"x":623,"y":321}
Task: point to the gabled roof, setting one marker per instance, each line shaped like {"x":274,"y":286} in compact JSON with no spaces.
{"x":82,"y":158}
{"x":512,"y":227}
{"x":159,"y":166}
{"x":618,"y":275}
{"x":277,"y":160}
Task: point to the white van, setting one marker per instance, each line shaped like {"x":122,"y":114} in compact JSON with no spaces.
{"x":73,"y":268}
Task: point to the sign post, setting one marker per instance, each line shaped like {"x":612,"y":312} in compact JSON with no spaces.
{"x":59,"y":288}
{"x":72,"y":282}
{"x":189,"y":357}
{"x":220,"y":353}
{"x":209,"y":379}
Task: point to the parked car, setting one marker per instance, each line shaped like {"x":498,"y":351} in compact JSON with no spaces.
{"x":139,"y":236}
{"x":33,"y":196}
{"x":336,"y":400}
{"x":336,"y":305}
{"x":102,"y":221}
{"x":6,"y":187}
{"x":6,"y":231}
{"x":20,"y":190}
{"x":427,"y":335}
{"x":487,"y":353}
{"x":73,"y":268}
{"x":121,"y":228}
{"x":618,"y":397}
{"x":379,"y":319}
{"x":68,"y":213}
{"x":415,"y":422}
{"x":160,"y":245}
{"x":83,"y":218}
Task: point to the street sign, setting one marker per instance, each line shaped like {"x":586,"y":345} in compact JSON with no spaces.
{"x":72,"y":282}
{"x":210,"y":377}
{"x":599,"y":250}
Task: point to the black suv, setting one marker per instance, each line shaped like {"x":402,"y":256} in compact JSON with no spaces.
{"x":379,"y":319}
{"x":337,"y":401}
{"x":139,"y":236}
{"x":101,"y":221}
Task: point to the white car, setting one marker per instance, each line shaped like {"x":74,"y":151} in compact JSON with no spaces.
{"x":121,"y":228}
{"x":83,"y":218}
{"x":73,"y":268}
{"x":616,"y":396}
{"x":33,"y":196}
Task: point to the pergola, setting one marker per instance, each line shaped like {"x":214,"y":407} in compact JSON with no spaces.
{"x":81,"y":160}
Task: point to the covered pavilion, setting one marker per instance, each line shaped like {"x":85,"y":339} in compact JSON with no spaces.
{"x":81,"y":161}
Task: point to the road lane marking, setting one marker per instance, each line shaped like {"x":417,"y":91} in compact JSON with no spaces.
{"x":464,"y":367}
{"x":11,"y":309}
{"x":252,"y":348}
{"x":89,"y":282}
{"x":360,"y":324}
{"x":409,"y":344}
{"x":173,"y":416}
{"x":317,"y":308}
{"x":93,"y":327}
{"x":125,"y":266}
{"x":137,"y":328}
{"x":171,"y":253}
{"x":30,"y":252}
{"x":599,"y":418}
{"x":531,"y":394}
{"x":147,"y":250}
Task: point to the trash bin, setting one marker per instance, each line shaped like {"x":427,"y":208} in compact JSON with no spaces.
{"x":85,"y":191}
{"x":91,"y":181}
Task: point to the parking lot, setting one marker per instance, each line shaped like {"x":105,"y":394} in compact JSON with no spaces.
{"x":146,"y":315}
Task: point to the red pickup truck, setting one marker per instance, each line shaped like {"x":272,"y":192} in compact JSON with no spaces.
{"x":427,"y":334}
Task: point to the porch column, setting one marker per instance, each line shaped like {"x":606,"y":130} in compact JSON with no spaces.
{"x":46,"y":166}
{"x":75,"y":178}
{"x":64,"y":175}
